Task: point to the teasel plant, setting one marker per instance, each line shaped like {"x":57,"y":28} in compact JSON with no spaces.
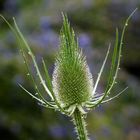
{"x":71,"y":89}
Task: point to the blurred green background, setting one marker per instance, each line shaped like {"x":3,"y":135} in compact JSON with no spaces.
{"x":94,"y":22}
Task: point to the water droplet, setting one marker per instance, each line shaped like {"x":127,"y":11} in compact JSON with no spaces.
{"x":28,"y":74}
{"x":126,"y":24}
{"x":29,"y":53}
{"x":42,"y":82}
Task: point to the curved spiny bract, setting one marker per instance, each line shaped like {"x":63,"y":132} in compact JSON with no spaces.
{"x":72,"y":80}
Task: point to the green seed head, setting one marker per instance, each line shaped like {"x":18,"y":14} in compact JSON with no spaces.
{"x":72,"y":80}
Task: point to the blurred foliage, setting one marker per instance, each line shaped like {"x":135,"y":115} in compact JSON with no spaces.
{"x":94,"y":23}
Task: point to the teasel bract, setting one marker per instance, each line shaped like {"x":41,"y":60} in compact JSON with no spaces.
{"x":71,"y":89}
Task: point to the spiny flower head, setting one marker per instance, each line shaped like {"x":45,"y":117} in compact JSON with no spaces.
{"x":72,"y":80}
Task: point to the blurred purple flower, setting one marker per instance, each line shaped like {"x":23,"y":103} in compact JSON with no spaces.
{"x":45,"y":23}
{"x":106,"y":131}
{"x":58,"y":131}
{"x":7,"y":55}
{"x":48,"y":40}
{"x":11,"y":6}
{"x":88,"y":3}
{"x":84,"y":40}
{"x":93,"y":137}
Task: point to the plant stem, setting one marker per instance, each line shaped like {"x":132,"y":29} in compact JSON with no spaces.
{"x":80,"y":125}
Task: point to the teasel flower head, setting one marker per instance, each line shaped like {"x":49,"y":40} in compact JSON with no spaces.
{"x":72,"y":81}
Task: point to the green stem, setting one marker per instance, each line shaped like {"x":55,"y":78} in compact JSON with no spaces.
{"x":80,"y":125}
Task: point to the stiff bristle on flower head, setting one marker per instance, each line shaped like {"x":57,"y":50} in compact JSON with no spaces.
{"x":72,"y":80}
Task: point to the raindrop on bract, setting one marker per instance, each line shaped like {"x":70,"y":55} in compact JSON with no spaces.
{"x":29,"y":53}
